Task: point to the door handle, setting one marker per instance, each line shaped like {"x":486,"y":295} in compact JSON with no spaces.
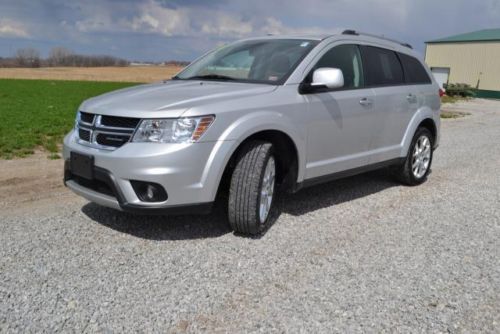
{"x":365,"y":102}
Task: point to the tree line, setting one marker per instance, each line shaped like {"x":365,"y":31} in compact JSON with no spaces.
{"x":59,"y":56}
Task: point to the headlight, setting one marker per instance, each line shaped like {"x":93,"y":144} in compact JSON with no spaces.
{"x":179,"y":130}
{"x":77,"y":120}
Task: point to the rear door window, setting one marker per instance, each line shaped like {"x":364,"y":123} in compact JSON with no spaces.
{"x":381,"y":67}
{"x":415,"y":72}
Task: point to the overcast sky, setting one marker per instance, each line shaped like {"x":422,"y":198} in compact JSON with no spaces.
{"x":181,"y":30}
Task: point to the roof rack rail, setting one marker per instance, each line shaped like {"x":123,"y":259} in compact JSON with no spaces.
{"x":349,"y":32}
{"x":357,"y":33}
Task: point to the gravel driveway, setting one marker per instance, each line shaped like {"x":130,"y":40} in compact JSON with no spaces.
{"x":357,"y":255}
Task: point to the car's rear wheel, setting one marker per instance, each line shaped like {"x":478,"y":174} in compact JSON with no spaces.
{"x":252,"y":188}
{"x":417,"y":165}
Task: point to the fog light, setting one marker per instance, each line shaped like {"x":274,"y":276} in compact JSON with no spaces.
{"x":149,"y":192}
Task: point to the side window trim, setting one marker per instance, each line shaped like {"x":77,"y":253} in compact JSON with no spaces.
{"x":405,"y":76}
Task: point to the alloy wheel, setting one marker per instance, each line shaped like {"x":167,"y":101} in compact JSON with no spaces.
{"x":421,"y":157}
{"x":267,"y":190}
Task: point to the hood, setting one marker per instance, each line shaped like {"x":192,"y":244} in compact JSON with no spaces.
{"x":169,"y":98}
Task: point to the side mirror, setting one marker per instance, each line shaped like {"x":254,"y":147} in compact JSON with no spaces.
{"x":330,"y":77}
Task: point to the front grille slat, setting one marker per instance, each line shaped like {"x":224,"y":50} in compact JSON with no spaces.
{"x":113,"y":140}
{"x":119,"y":122}
{"x":84,"y":134}
{"x":86,"y":117}
{"x":108,"y":132}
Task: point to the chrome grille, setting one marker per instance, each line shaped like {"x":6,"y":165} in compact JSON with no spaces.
{"x":105,"y":132}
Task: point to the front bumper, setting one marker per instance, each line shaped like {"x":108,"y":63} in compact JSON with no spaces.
{"x":190,"y":174}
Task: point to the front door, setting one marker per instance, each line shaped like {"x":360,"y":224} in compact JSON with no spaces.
{"x":339,"y":127}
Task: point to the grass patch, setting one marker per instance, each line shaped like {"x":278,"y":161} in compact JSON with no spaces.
{"x":38,"y":113}
{"x":54,"y":156}
{"x":453,"y":114}
{"x":453,"y":99}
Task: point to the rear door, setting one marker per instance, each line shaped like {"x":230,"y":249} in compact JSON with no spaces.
{"x":394,"y":101}
{"x":417,"y":76}
{"x":339,"y":121}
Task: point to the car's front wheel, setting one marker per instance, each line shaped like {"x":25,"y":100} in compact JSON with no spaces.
{"x":252,"y":188}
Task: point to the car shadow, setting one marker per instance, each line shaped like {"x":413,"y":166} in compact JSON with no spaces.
{"x":215,"y":224}
{"x":337,"y":192}
{"x":158,"y":228}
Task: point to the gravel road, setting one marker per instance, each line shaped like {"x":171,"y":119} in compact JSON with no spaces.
{"x":357,"y":255}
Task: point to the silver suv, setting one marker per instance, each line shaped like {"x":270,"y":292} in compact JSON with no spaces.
{"x":254,"y":117}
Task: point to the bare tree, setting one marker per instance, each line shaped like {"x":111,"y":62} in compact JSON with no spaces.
{"x":28,"y":57}
{"x":60,"y":56}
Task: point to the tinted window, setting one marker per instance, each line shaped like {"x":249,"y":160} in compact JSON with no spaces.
{"x":415,"y":73}
{"x":347,"y":59}
{"x":381,"y":67}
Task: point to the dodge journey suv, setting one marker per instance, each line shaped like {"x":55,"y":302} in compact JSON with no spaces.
{"x":255,"y":117}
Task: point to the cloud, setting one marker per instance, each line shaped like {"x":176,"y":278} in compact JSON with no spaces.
{"x":99,"y":17}
{"x":227,"y":25}
{"x":188,"y":21}
{"x":154,"y":18}
{"x":163,"y":29}
{"x":96,"y":24}
{"x":10,"y":28}
{"x":276,"y":27}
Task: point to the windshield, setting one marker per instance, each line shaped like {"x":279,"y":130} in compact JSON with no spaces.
{"x":261,"y":61}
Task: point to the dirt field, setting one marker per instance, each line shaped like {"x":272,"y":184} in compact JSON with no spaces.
{"x":121,"y":74}
{"x":30,"y":180}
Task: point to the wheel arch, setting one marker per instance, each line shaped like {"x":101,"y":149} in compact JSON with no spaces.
{"x":286,"y":154}
{"x":430,"y":125}
{"x":424,"y":117}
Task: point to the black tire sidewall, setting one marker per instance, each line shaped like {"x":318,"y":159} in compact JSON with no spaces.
{"x":245,"y":188}
{"x":269,"y":154}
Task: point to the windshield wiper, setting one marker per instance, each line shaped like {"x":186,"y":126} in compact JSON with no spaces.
{"x":211,"y":77}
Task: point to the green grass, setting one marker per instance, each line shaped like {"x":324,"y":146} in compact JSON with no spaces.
{"x":453,"y":99}
{"x":453,"y":114}
{"x":38,"y":113}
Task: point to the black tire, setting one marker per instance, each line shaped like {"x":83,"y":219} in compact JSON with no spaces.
{"x":245,"y":188}
{"x":404,"y":172}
